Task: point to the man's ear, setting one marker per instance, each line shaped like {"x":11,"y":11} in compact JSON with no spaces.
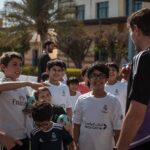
{"x":137,"y":30}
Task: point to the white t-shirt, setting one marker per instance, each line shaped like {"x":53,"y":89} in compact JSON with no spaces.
{"x":74,"y":99}
{"x":60,"y":95}
{"x":120,"y":91}
{"x":98,"y":118}
{"x":12,"y":118}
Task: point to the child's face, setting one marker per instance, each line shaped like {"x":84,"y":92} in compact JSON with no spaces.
{"x":97,"y":80}
{"x":44,"y":125}
{"x":73,"y":87}
{"x":113,"y":74}
{"x":13,"y":69}
{"x":55,"y":73}
{"x":45,"y":95}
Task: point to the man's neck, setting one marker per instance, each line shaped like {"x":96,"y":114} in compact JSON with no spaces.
{"x":145,"y":43}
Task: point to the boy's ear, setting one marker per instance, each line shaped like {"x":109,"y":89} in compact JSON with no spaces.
{"x":2,"y":67}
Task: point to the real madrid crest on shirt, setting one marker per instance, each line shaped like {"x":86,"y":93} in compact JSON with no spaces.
{"x":54,"y":138}
{"x":63,"y":92}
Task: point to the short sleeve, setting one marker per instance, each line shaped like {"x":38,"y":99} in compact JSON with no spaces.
{"x":67,"y":138}
{"x":68,"y":102}
{"x":141,"y":81}
{"x":77,"y":114}
{"x":117,"y":116}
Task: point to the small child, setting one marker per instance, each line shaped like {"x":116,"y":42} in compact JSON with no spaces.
{"x":73,"y":85}
{"x":47,"y":135}
{"x":60,"y":92}
{"x":43,"y":94}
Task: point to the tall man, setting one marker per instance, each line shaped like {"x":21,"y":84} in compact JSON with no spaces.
{"x":48,"y":47}
{"x":135,"y":132}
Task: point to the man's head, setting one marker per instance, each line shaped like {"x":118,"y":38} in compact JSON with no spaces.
{"x":11,"y":64}
{"x":48,"y":46}
{"x":139,"y":25}
{"x":43,"y":94}
{"x":42,"y":115}
{"x":98,"y":75}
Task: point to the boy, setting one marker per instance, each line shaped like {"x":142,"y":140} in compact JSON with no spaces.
{"x":43,"y":94}
{"x":73,"y":85}
{"x":97,"y":114}
{"x":115,"y":87}
{"x":47,"y":135}
{"x":13,"y":99}
{"x":60,"y":92}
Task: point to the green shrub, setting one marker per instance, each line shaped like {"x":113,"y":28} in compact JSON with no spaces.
{"x":32,"y":71}
{"x":29,"y":70}
{"x":74,"y":72}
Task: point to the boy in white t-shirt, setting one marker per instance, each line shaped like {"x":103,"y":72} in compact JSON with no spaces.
{"x":60,"y":92}
{"x":97,"y":117}
{"x":115,"y":87}
{"x":73,"y":84}
{"x":13,"y":99}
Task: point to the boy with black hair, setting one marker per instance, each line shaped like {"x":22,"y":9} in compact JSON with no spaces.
{"x":97,"y":117}
{"x":60,"y":92}
{"x":115,"y":87}
{"x":73,"y":84}
{"x":47,"y":134}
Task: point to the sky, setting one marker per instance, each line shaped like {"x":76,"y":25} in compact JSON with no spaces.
{"x":3,"y":1}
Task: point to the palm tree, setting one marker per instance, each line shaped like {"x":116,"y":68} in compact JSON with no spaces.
{"x":32,"y":14}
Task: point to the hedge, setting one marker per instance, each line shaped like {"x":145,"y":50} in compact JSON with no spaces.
{"x":32,"y":71}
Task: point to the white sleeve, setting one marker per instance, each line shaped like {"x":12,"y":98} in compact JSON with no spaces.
{"x":77,"y":114}
{"x":117,"y":116}
{"x":68,"y":101}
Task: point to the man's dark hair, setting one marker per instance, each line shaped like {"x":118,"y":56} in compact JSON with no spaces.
{"x":42,"y":111}
{"x":141,"y":20}
{"x":55,"y":62}
{"x":8,"y":56}
{"x":113,"y":65}
{"x":100,"y":67}
{"x":47,"y":42}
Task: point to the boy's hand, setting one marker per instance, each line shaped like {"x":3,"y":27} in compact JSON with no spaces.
{"x":35,"y":85}
{"x":9,"y":142}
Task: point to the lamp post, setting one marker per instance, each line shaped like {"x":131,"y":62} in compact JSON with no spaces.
{"x":130,"y":44}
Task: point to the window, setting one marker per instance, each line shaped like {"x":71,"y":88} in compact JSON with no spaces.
{"x":80,"y":12}
{"x":102,"y":10}
{"x":137,"y":5}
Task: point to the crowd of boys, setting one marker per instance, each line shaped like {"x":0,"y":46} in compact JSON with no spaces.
{"x":59,"y":117}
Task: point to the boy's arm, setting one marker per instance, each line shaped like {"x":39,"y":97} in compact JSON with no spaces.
{"x":76,"y":134}
{"x":116,"y":136}
{"x":132,"y":122}
{"x":8,"y":142}
{"x":6,"y":86}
